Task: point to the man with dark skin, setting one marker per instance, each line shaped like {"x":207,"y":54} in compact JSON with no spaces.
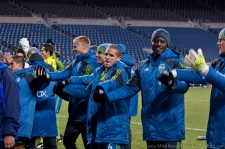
{"x":162,"y":107}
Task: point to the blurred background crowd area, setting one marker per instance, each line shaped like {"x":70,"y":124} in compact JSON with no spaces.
{"x":191,"y":24}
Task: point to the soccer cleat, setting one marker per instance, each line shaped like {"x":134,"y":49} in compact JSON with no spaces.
{"x":60,"y":139}
{"x":40,"y":146}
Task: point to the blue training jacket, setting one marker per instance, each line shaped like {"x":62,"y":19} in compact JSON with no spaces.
{"x":9,"y":103}
{"x":27,"y":102}
{"x":128,"y":60}
{"x":216,"y":127}
{"x":162,"y":109}
{"x":28,"y":97}
{"x":84,"y":64}
{"x":44,"y":123}
{"x":85,"y":80}
{"x":109,"y":121}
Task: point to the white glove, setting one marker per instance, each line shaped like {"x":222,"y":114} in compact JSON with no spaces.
{"x":25,"y":44}
{"x":196,"y":61}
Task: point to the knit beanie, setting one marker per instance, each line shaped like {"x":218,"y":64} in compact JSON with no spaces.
{"x":161,"y":33}
{"x":102,"y":47}
{"x":36,"y":57}
{"x":122,"y":48}
{"x":222,"y":34}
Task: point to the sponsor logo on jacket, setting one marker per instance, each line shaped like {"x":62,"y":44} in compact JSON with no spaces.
{"x":161,"y":68}
{"x":42,"y":93}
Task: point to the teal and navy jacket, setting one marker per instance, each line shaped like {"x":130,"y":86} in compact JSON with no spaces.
{"x":128,"y":60}
{"x":27,"y":102}
{"x":28,"y":97}
{"x":216,"y":127}
{"x":85,"y":80}
{"x":162,"y":109}
{"x":109,"y":121}
{"x":45,"y":115}
{"x":9,"y":103}
{"x":44,"y":123}
{"x":84,"y":64}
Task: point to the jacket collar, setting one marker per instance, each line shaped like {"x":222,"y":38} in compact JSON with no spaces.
{"x":85,"y":55}
{"x":222,"y":58}
{"x":165,"y":55}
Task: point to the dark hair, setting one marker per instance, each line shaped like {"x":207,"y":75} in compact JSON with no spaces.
{"x":19,"y":59}
{"x":20,"y":51}
{"x":50,"y":41}
{"x":48,"y":47}
{"x":57,"y":54}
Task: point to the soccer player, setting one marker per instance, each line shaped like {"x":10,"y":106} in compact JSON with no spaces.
{"x":105,"y":117}
{"x":84,"y":64}
{"x":204,"y":74}
{"x":162,"y":107}
{"x":9,"y":107}
{"x":47,"y":52}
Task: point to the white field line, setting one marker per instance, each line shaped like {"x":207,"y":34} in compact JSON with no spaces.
{"x":137,"y":123}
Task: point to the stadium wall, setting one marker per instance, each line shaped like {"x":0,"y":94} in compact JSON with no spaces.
{"x":108,"y":21}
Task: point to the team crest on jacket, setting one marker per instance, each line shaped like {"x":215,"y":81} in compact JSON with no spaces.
{"x":17,"y":80}
{"x":161,"y":68}
{"x":146,"y":69}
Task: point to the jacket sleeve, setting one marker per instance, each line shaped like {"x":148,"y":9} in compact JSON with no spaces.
{"x":181,"y":87}
{"x":77,"y":91}
{"x":11,"y":103}
{"x":85,"y":80}
{"x":130,"y":89}
{"x":190,"y":76}
{"x":61,"y":75}
{"x":118,"y":79}
{"x":217,"y":79}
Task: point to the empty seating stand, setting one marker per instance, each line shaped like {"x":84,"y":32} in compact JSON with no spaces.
{"x":190,"y":38}
{"x":36,"y":34}
{"x":182,"y":38}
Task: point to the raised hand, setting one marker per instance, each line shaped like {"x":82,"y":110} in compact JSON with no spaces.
{"x":58,"y":89}
{"x":40,"y":71}
{"x":40,"y":80}
{"x":99,"y":96}
{"x":196,"y":61}
{"x":167,"y":79}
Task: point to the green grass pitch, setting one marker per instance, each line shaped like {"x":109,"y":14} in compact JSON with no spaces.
{"x":196,"y":116}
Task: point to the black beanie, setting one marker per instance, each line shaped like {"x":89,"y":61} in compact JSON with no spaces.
{"x":36,"y":57}
{"x":50,"y":41}
{"x":161,"y":33}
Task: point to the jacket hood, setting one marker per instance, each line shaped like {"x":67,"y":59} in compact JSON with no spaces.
{"x":30,"y":69}
{"x":125,"y":58}
{"x":222,"y":58}
{"x":21,"y":72}
{"x":83,"y":56}
{"x":128,"y":60}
